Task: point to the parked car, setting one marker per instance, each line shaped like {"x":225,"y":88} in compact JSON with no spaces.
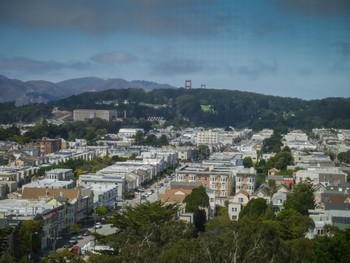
{"x":86,"y":233}
{"x":98,"y":225}
{"x":143,"y":197}
{"x":73,"y":240}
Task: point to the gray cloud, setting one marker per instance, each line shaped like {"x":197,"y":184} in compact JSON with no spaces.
{"x":99,"y":17}
{"x":115,"y":57}
{"x":176,"y":67}
{"x":28,"y":65}
{"x":256,"y":68}
{"x":315,"y":7}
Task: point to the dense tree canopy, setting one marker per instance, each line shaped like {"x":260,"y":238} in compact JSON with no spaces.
{"x":199,"y":107}
{"x":301,"y":199}
{"x":254,"y":209}
{"x":143,"y":214}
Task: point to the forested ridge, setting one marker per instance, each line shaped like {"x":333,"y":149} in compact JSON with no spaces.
{"x":198,"y":107}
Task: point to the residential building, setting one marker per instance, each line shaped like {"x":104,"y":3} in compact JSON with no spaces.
{"x":116,"y":181}
{"x":60,"y":174}
{"x":214,"y":178}
{"x":328,"y":175}
{"x":245,"y":180}
{"x":209,"y":138}
{"x":47,"y":145}
{"x":234,"y":208}
{"x":129,"y":132}
{"x":104,"y":195}
{"x":71,"y":198}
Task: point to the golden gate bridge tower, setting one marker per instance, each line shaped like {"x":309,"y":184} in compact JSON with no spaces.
{"x":188,"y":84}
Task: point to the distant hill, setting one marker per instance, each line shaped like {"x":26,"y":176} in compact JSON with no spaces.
{"x":181,"y":107}
{"x":216,"y":108}
{"x":10,"y":89}
{"x":45,"y":91}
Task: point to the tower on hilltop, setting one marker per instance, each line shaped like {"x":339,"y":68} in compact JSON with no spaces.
{"x":188,"y":84}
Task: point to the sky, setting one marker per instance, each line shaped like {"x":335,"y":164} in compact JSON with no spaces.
{"x":288,"y":48}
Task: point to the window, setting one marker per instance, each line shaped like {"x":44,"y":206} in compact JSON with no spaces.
{"x":234,"y":209}
{"x":240,"y":200}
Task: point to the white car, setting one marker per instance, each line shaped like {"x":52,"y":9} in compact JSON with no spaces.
{"x":98,"y":225}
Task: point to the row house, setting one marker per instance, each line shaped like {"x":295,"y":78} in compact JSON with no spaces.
{"x":7,"y":187}
{"x":178,"y":191}
{"x":104,"y":195}
{"x":241,"y":199}
{"x":245,"y":179}
{"x":184,"y":153}
{"x":50,"y":183}
{"x":75,"y":205}
{"x":144,"y":172}
{"x":248,"y":149}
{"x":19,"y":174}
{"x":51,"y":212}
{"x":262,"y":135}
{"x":296,"y":135}
{"x":60,"y":174}
{"x":314,"y":159}
{"x":328,"y":175}
{"x":287,"y":180}
{"x":117,"y":181}
{"x":21,"y":159}
{"x":226,"y":158}
{"x":220,"y":182}
{"x":71,"y":154}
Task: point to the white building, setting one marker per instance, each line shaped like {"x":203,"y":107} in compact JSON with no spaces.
{"x":209,"y":138}
{"x":129,"y":132}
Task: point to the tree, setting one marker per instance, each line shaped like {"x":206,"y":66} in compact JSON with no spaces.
{"x":4,"y":239}
{"x":139,"y":138}
{"x":30,"y":231}
{"x":280,"y":161}
{"x":75,"y":228}
{"x":272,"y":144}
{"x":203,"y":152}
{"x":254,"y":209}
{"x":301,"y":249}
{"x":293,"y":224}
{"x":333,"y":249}
{"x":196,"y":199}
{"x":62,"y":256}
{"x":195,"y":202}
{"x":301,"y":199}
{"x":143,"y":214}
{"x":163,"y":140}
{"x":243,"y":241}
{"x":248,"y":162}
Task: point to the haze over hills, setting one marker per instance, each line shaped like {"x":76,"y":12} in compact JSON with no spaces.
{"x":45,"y":91}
